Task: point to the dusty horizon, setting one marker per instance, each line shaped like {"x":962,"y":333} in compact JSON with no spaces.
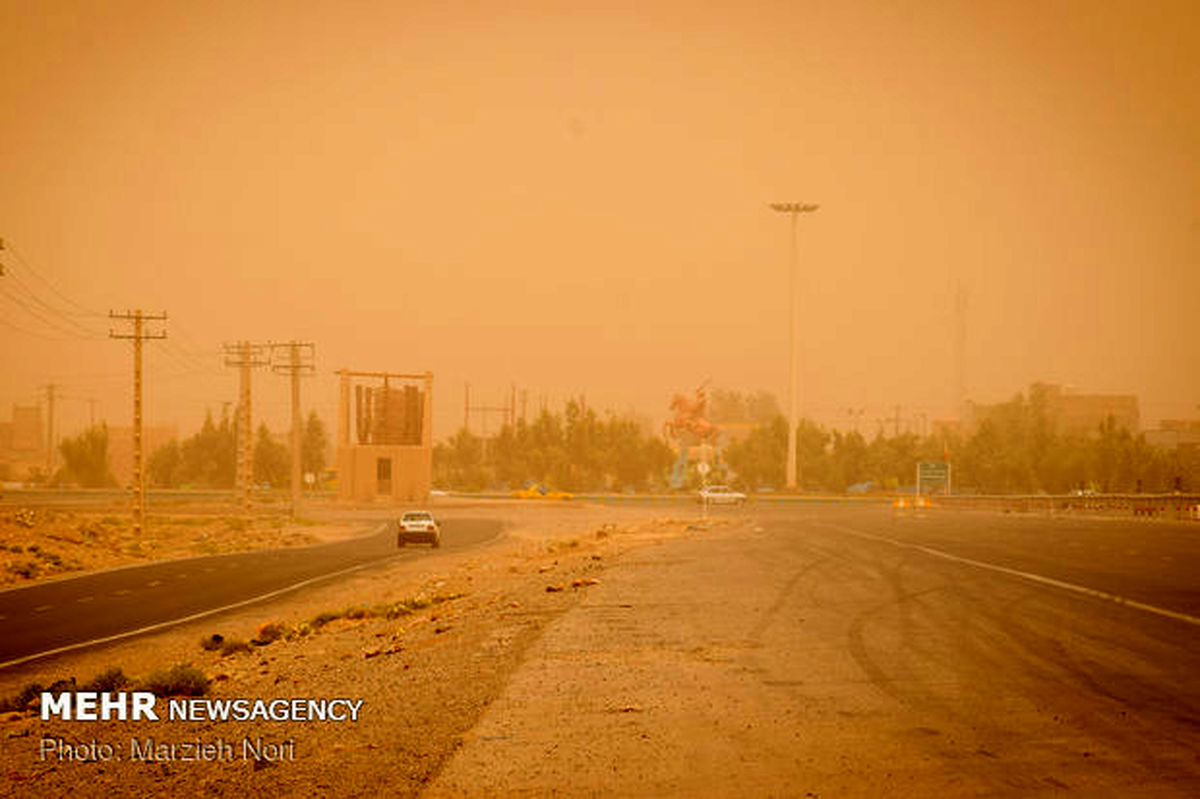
{"x":576,"y":203}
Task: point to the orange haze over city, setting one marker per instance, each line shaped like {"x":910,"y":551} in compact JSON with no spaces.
{"x":574,"y":200}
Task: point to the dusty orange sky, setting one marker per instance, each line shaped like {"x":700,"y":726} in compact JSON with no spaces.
{"x":575,"y":200}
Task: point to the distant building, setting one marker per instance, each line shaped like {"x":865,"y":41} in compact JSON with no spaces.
{"x":385,"y":437}
{"x":1071,"y":413}
{"x":1084,"y":413}
{"x":23,"y":443}
{"x":1175,"y":434}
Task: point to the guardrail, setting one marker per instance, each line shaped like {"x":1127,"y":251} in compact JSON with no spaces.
{"x":1152,"y":506}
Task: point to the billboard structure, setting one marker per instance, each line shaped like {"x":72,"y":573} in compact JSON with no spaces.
{"x":385,"y":436}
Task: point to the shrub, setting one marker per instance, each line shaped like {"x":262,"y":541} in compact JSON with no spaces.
{"x":211,"y":643}
{"x":23,"y":698}
{"x":324,"y":617}
{"x":233,"y":646}
{"x":299,"y":631}
{"x":267,"y":632}
{"x":182,"y":679}
{"x":110,"y":679}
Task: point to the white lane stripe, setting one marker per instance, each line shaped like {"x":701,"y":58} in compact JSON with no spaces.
{"x":1037,"y":578}
{"x":193,"y":617}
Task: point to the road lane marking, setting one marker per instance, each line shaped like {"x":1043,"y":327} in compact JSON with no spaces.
{"x":1037,"y":578}
{"x":153,"y":583}
{"x":85,"y":599}
{"x":172,"y":622}
{"x":42,"y":608}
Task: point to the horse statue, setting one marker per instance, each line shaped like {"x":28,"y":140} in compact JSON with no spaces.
{"x":689,"y":417}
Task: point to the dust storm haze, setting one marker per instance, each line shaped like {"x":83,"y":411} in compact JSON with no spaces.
{"x":576,"y":201}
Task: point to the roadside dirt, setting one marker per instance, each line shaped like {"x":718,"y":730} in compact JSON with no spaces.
{"x":43,"y":542}
{"x":460,"y":623}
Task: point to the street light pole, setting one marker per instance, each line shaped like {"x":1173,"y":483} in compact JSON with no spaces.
{"x":793,"y":210}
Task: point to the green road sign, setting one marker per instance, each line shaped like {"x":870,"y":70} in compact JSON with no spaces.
{"x":933,"y":472}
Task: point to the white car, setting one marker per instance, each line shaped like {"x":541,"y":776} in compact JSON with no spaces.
{"x":418,"y":526}
{"x":722,"y":495}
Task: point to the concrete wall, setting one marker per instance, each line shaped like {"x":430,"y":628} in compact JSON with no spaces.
{"x":411,"y":473}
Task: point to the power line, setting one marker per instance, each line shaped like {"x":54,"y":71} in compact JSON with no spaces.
{"x":25,"y":262}
{"x":68,"y":326}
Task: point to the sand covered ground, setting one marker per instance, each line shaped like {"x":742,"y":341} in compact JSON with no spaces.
{"x":426,"y":642}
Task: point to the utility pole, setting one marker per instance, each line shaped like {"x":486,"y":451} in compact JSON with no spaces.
{"x":793,"y":210}
{"x":50,"y":389}
{"x":245,"y":356}
{"x":299,"y":361}
{"x":960,"y":355}
{"x":507,"y":412}
{"x":140,"y":334}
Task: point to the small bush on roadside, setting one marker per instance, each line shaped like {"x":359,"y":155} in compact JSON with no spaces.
{"x":267,"y":632}
{"x":211,"y":643}
{"x":182,"y":679}
{"x":299,"y":631}
{"x":23,"y":698}
{"x":324,"y":617}
{"x":111,"y":679}
{"x":232,"y":646}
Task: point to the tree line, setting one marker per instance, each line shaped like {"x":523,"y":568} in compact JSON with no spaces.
{"x":207,"y":459}
{"x":1015,"y":449}
{"x":575,"y":450}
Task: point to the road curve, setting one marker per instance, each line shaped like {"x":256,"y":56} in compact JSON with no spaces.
{"x":41,"y":619}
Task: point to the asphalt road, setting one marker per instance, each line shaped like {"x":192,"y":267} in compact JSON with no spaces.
{"x":51,"y":616}
{"x":847,"y":652}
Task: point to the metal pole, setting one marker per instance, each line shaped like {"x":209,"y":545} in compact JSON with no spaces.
{"x":793,"y":210}
{"x":139,"y":335}
{"x":294,"y":364}
{"x":50,"y":430}
{"x":793,"y":372}
{"x":246,"y":464}
{"x":139,"y":483}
